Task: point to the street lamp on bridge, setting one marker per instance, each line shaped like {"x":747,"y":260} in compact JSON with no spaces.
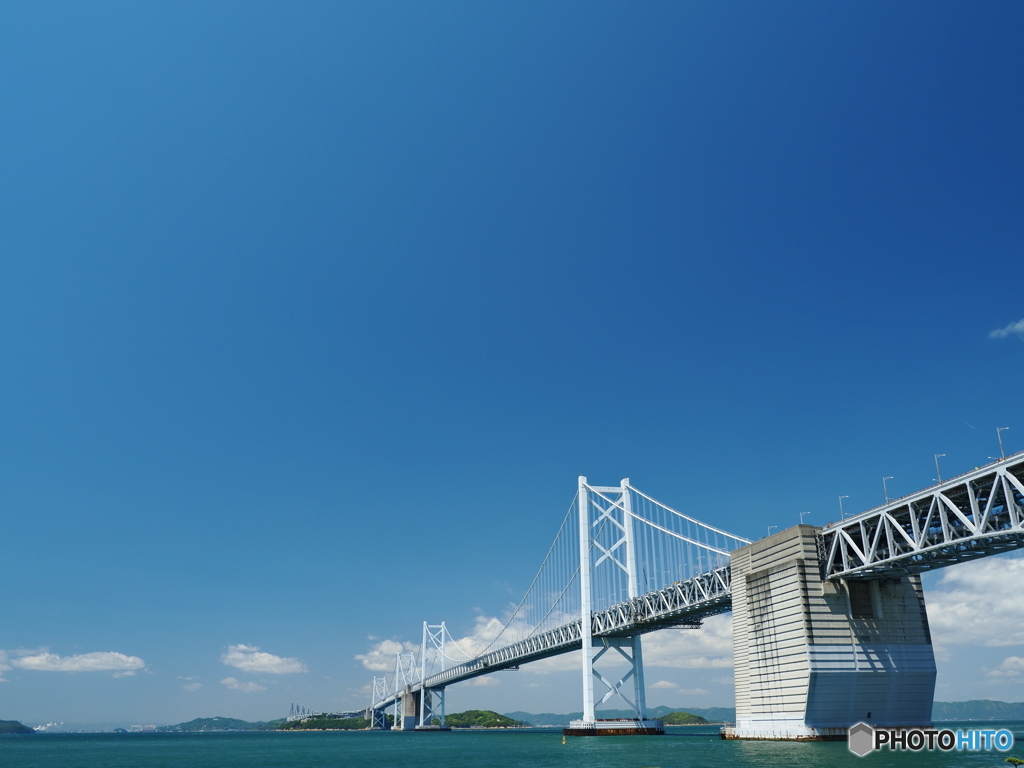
{"x":841,"y":515}
{"x":885,"y":489}
{"x":938,"y":474}
{"x":999,"y":434}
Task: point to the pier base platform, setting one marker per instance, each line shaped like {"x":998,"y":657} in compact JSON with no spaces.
{"x":615,"y":728}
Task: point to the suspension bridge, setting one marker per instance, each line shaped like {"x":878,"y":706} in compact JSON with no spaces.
{"x":829,"y":623}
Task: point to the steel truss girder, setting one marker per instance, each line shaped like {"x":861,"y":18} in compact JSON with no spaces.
{"x":977,"y":514}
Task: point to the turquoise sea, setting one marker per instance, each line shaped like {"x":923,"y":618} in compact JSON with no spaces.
{"x":698,"y":747}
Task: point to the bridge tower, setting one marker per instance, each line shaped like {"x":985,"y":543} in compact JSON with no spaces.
{"x":813,"y":656}
{"x":375,"y":714}
{"x":405,"y":709}
{"x":606,"y":539}
{"x":431,"y":701}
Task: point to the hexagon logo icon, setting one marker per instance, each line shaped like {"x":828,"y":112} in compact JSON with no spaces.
{"x":861,"y":739}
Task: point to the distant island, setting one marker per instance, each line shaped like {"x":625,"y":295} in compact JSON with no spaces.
{"x":211,"y":724}
{"x":482,"y":718}
{"x":976,"y":710}
{"x":327,"y":724}
{"x":979,"y":709}
{"x":684,"y":718}
{"x":13,"y":726}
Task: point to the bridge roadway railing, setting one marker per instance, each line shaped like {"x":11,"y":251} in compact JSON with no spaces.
{"x":975,"y":514}
{"x":683,"y":604}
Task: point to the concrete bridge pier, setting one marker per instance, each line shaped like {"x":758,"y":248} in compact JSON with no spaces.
{"x":814,"y":657}
{"x":408,"y":710}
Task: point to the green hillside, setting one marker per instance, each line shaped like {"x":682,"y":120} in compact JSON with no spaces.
{"x":480,"y":718}
{"x":979,"y":709}
{"x":13,"y":726}
{"x":684,"y":718}
{"x":205,"y":724}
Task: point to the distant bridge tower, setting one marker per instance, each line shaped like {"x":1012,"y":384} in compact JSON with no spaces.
{"x":405,"y":705}
{"x":432,"y":660}
{"x":813,"y":656}
{"x":607,"y":544}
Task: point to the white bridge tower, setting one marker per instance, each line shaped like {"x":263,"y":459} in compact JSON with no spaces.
{"x":607,"y":544}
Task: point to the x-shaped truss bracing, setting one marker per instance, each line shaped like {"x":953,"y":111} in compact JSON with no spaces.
{"x":380,"y":695}
{"x":431,"y":655}
{"x":976,"y":514}
{"x":380,"y":690}
{"x":615,"y":689}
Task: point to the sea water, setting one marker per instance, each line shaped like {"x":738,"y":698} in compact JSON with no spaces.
{"x":692,"y":747}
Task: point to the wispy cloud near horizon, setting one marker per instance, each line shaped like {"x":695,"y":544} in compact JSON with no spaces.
{"x":978,"y":604}
{"x":250,"y":658}
{"x":234,"y":684}
{"x":1013,"y":329}
{"x":99,"y":661}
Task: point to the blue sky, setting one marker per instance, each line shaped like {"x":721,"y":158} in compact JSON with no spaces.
{"x":310,"y":316}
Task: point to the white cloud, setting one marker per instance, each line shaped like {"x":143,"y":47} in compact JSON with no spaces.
{"x":705,"y":648}
{"x":978,"y":603}
{"x":249,"y":658}
{"x":668,"y":685}
{"x":485,"y":681}
{"x":4,"y":667}
{"x":485,"y":629}
{"x":234,"y":684}
{"x":99,"y":661}
{"x":381,"y":656}
{"x":190,"y":684}
{"x":1012,"y":666}
{"x":1013,"y":329}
